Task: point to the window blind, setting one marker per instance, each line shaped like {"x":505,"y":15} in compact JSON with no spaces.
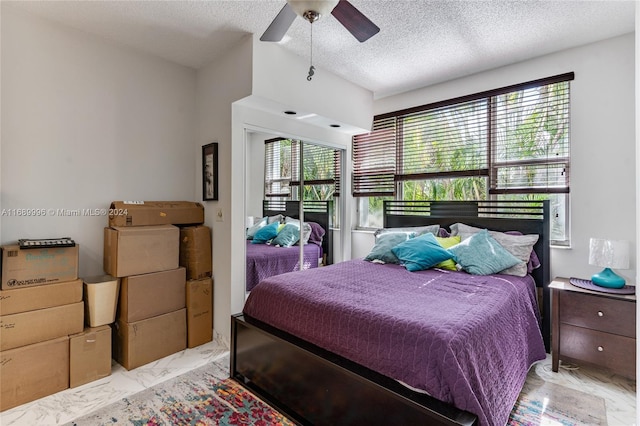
{"x":277,"y":168}
{"x":337,"y":166}
{"x":282,"y":167}
{"x":374,"y":160}
{"x":517,"y":136}
{"x":442,"y":140}
{"x":530,"y":136}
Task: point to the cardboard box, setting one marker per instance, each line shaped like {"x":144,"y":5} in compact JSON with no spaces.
{"x":140,"y":213}
{"x":100,"y":299}
{"x":145,"y":341}
{"x":141,"y":249}
{"x":149,"y":295}
{"x":25,"y":268}
{"x":33,"y":371}
{"x":199,"y":312}
{"x":26,"y":328}
{"x":195,"y":251}
{"x":89,"y":355}
{"x":40,"y":297}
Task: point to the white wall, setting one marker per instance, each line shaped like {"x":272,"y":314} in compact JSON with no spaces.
{"x":255,"y":172}
{"x":281,"y":76}
{"x":86,"y":122}
{"x":603,"y":157}
{"x":219,"y":85}
{"x":637,"y":159}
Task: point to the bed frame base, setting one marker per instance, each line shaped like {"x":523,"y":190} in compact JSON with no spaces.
{"x":313,"y":386}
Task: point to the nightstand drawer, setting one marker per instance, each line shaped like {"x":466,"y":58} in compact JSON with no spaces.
{"x":598,"y":313}
{"x":618,"y":353}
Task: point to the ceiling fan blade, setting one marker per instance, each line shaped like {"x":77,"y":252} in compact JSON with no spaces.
{"x":354,"y":21}
{"x":280,"y":24}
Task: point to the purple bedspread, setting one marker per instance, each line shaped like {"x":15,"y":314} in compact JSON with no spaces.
{"x":467,"y":340}
{"x":264,"y":260}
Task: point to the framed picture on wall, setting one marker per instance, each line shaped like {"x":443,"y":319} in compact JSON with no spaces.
{"x":210,"y":172}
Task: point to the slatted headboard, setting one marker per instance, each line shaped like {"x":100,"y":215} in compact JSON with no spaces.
{"x":314,"y":211}
{"x":528,"y":217}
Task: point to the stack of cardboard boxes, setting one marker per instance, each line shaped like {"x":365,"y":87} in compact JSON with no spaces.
{"x":40,"y":307}
{"x":195,"y":256}
{"x":159,"y":289}
{"x":142,"y":248}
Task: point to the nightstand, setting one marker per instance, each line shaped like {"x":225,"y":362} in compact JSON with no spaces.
{"x":593,"y":328}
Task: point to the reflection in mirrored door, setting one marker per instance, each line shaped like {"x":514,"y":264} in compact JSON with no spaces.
{"x":280,"y":173}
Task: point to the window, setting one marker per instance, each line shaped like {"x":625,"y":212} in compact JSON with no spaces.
{"x":321,"y":171}
{"x":508,"y":143}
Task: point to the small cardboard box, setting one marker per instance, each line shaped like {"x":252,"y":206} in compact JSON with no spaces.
{"x":89,"y":355}
{"x":25,"y":268}
{"x":100,"y":299}
{"x":33,"y":371}
{"x":149,"y":295}
{"x":139,"y":213}
{"x":142,"y":342}
{"x":26,"y":328}
{"x":40,"y":297}
{"x":199,"y":312}
{"x":195,"y":251}
{"x":141,"y":249}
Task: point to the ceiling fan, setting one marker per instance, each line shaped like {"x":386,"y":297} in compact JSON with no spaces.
{"x":351,"y":18}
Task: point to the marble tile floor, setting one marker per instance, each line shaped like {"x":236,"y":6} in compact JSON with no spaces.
{"x":619,"y":393}
{"x":67,"y":405}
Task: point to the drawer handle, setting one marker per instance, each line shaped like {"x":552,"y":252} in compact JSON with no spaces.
{"x":600,"y":313}
{"x":600,"y":349}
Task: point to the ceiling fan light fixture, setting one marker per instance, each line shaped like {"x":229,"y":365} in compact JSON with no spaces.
{"x":312,"y":10}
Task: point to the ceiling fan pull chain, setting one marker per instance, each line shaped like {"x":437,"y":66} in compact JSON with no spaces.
{"x":311,"y":68}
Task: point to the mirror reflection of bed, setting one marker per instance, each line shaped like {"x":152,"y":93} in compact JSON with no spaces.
{"x":266,"y":258}
{"x":272,"y":204}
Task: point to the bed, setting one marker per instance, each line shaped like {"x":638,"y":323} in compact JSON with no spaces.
{"x":463,"y":362}
{"x":264,"y":260}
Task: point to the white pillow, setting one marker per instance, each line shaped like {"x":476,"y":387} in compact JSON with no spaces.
{"x":256,"y":227}
{"x":519,"y":246}
{"x":276,"y":218}
{"x":306,"y":229}
{"x":417,"y":230}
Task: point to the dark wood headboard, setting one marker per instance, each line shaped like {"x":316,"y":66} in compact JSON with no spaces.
{"x":528,"y":217}
{"x":314,"y":211}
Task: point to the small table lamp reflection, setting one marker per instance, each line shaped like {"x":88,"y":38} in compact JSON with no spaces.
{"x":608,"y":254}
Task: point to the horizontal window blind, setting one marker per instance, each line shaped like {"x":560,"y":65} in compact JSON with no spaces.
{"x":282,"y":168}
{"x":374,"y":160}
{"x":277,"y":168}
{"x":445,"y":139}
{"x":530,"y":137}
{"x":516,"y":136}
{"x":319,"y":165}
{"x":337,"y":167}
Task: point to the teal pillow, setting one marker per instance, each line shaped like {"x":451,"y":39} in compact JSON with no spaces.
{"x":288,"y":236}
{"x":266,"y":233}
{"x":251,"y":232}
{"x":381,"y":251}
{"x":481,"y":254}
{"x":423,"y":252}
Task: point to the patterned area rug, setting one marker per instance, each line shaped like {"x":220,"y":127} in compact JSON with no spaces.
{"x":543,"y":403}
{"x":206,"y":396}
{"x":201,"y":397}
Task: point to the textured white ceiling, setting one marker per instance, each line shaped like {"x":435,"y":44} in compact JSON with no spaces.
{"x":421,"y":42}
